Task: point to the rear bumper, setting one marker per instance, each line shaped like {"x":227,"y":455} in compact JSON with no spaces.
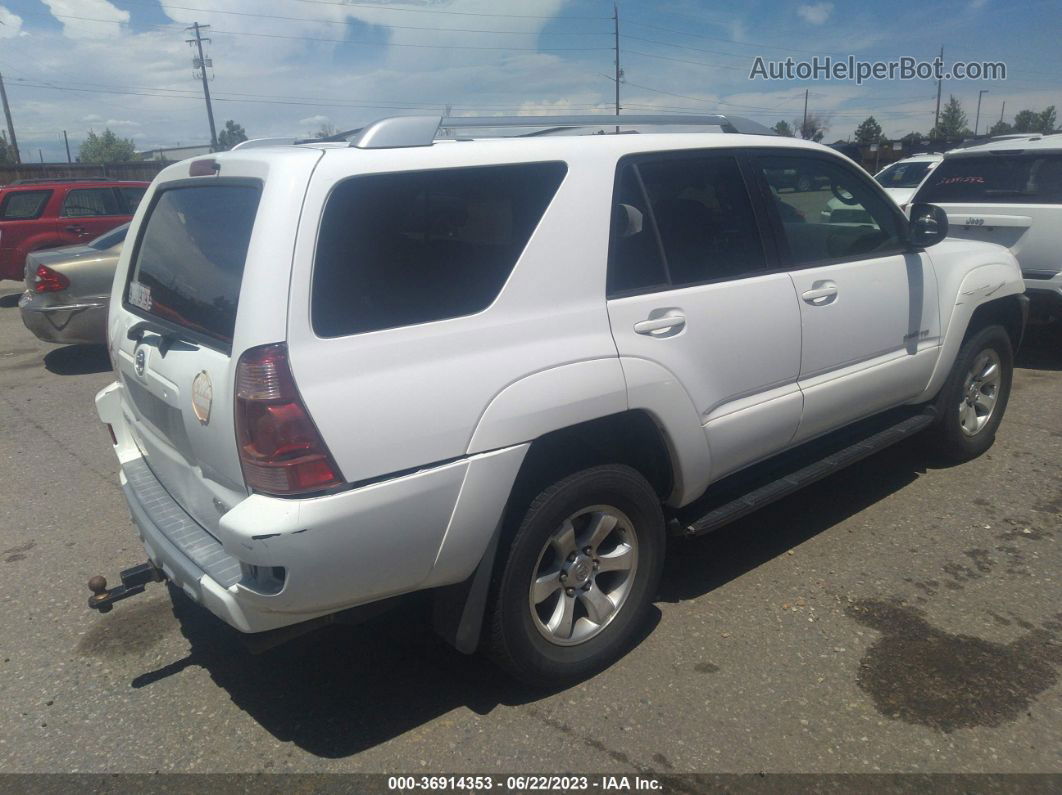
{"x":274,"y":562}
{"x":82,"y":322}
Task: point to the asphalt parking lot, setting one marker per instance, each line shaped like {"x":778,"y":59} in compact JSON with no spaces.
{"x":900,"y":616}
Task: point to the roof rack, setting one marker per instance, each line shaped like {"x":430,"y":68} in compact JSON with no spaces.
{"x":47,"y":180}
{"x":406,"y":131}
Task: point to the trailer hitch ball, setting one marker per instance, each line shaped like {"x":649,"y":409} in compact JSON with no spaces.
{"x":98,"y":586}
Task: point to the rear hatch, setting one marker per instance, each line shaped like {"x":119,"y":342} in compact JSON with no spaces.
{"x":1009,"y":197}
{"x":204,"y":275}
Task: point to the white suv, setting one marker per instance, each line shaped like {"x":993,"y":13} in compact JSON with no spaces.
{"x":499,"y":371}
{"x":902,"y":178}
{"x":1009,"y":191}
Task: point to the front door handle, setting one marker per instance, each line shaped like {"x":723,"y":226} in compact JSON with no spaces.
{"x":820,"y":294}
{"x":663,"y":323}
{"x":77,"y":230}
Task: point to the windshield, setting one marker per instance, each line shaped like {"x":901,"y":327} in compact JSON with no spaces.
{"x":112,"y":238}
{"x":996,"y":179}
{"x":189,"y":265}
{"x":903,"y":175}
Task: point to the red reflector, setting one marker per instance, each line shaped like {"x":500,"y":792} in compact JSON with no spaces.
{"x":204,"y":168}
{"x":48,"y":281}
{"x":281,"y":450}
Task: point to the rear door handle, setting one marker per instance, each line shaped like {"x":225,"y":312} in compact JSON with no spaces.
{"x":820,"y":294}
{"x":77,"y":230}
{"x":663,"y":323}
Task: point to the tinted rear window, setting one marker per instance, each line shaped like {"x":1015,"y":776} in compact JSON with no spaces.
{"x":23,"y":204}
{"x":996,"y":179}
{"x":415,"y":247}
{"x":189,"y":264}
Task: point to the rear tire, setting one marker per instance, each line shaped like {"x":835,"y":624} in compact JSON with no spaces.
{"x":581,"y":572}
{"x":974,"y":398}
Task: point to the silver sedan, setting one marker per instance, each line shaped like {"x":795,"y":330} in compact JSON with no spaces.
{"x":68,"y":290}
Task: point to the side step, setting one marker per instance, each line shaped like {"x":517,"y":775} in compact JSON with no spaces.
{"x":723,"y":508}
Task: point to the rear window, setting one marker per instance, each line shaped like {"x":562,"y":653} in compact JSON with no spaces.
{"x":189,"y":263}
{"x":903,"y":175}
{"x":415,"y":247}
{"x":23,"y":204}
{"x":112,"y":238}
{"x":996,"y":179}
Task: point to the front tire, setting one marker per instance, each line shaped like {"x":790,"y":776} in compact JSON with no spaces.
{"x":974,"y":398}
{"x":582,"y":570}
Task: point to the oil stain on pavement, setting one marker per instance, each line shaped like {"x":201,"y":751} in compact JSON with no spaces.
{"x":920,"y":674}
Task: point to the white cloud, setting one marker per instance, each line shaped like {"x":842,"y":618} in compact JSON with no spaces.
{"x":975,"y":4}
{"x":815,"y":13}
{"x":80,"y":18}
{"x":315,"y":121}
{"x":10,"y":24}
{"x":122,"y":124}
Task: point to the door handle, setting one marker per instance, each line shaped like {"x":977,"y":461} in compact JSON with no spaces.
{"x":77,"y":230}
{"x":820,"y":294}
{"x":660,"y":324}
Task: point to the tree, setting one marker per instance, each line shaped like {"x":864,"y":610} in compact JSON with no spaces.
{"x":1000,"y":128}
{"x":1027,"y":121}
{"x":868,"y":132}
{"x":231,"y":135}
{"x":912,"y":139}
{"x":7,"y":152}
{"x":783,"y":129}
{"x":326,"y":130}
{"x":814,"y":128}
{"x":952,"y":122}
{"x":1048,"y":120}
{"x":106,"y":148}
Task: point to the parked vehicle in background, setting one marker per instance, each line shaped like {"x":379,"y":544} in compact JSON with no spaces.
{"x":49,"y":213}
{"x":1009,"y":192}
{"x":68,"y":290}
{"x":902,"y":178}
{"x":499,"y":371}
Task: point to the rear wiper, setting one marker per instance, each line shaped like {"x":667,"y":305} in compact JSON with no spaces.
{"x":166,"y":336}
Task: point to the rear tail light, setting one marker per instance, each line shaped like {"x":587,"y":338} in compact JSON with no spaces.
{"x":45,"y":280}
{"x":281,"y":450}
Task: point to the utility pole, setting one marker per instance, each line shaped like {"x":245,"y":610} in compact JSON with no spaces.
{"x":10,"y":124}
{"x":67,"y":142}
{"x":1002,"y":109}
{"x":936,"y":117}
{"x":804,"y":124}
{"x":977,"y":119}
{"x":619,"y":72}
{"x":201,"y":63}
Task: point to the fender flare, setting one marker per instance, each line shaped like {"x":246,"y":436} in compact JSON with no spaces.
{"x":984,"y":284}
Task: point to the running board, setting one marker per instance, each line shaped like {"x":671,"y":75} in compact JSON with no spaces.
{"x":775,"y":489}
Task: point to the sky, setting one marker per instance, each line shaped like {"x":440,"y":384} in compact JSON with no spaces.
{"x":287,"y":67}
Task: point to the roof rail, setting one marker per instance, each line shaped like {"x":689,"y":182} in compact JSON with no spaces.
{"x":405,"y":131}
{"x":52,"y":180}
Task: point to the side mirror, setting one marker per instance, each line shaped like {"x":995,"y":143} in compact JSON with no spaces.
{"x":929,"y":225}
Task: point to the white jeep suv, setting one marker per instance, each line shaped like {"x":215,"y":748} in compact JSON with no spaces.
{"x":1009,"y":191}
{"x":500,"y":370}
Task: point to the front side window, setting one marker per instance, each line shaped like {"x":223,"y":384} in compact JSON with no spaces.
{"x":903,"y":175}
{"x":87,"y":202}
{"x":189,"y":262}
{"x":22,"y":205}
{"x":843,"y":217}
{"x":996,"y":179}
{"x":415,"y":247}
{"x":679,"y":221}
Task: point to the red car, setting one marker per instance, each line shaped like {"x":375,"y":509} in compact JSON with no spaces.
{"x":46,"y":213}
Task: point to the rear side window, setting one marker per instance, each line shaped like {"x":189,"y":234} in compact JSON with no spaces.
{"x":23,"y":205}
{"x":130,"y":198}
{"x":679,"y":221}
{"x":88,"y":202}
{"x":416,"y":247}
{"x":996,"y":179}
{"x":189,"y":263}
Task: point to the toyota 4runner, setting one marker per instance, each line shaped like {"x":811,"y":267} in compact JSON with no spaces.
{"x":500,"y":370}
